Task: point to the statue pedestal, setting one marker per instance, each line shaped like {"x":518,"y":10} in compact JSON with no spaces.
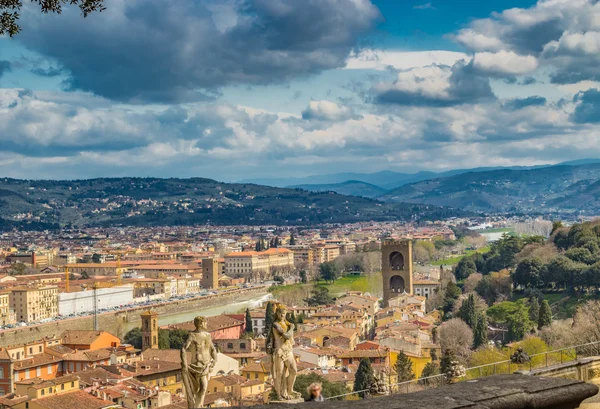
{"x":277,"y":402}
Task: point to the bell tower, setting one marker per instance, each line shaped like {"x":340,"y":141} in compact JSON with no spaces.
{"x":396,"y":268}
{"x":149,"y":330}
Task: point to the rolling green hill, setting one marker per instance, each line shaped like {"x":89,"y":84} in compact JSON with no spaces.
{"x":351,"y":187}
{"x":561,"y":189}
{"x":153,"y":201}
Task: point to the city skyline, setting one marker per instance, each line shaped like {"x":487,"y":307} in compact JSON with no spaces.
{"x":214,"y":90}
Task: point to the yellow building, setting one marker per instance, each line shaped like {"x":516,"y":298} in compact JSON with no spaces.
{"x":165,"y":375}
{"x":256,"y":371}
{"x":418,"y":362}
{"x":247,"y":263}
{"x":34,"y":304}
{"x":50,"y":394}
{"x":7,"y":314}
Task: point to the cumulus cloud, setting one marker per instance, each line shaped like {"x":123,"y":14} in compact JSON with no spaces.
{"x":587,"y":108}
{"x":375,"y":59}
{"x":504,"y":63}
{"x":435,"y":85}
{"x":326,"y":111}
{"x":561,"y":34}
{"x":141,"y":50}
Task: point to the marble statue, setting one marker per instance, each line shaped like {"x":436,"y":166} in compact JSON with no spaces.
{"x":202,"y":357}
{"x":280,"y":344}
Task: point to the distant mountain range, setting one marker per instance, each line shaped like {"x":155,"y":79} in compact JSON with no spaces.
{"x":47,"y":204}
{"x":554,"y":189}
{"x":348,"y":183}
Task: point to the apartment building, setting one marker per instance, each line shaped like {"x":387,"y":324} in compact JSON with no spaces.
{"x":247,"y":263}
{"x":35,"y":303}
{"x":7,"y":314}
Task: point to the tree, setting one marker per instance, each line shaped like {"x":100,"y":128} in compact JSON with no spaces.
{"x":451,"y":294}
{"x":455,"y":335}
{"x":249,"y":328}
{"x":471,"y":282}
{"x":534,"y":309}
{"x":292,"y":240}
{"x":279,"y":279}
{"x":269,"y":317}
{"x":430,"y":369}
{"x":134,"y":338}
{"x":291,"y":317}
{"x":448,"y":356}
{"x":364,"y":380}
{"x":545,"y":318}
{"x":529,"y":273}
{"x":480,"y":336}
{"x":465,"y":267}
{"x":84,"y":275}
{"x":9,"y":11}
{"x":467,"y":312}
{"x":556,"y":225}
{"x":319,"y":296}
{"x":519,"y":324}
{"x":303,"y":277}
{"x":163,"y":339}
{"x":177,"y":338}
{"x":403,"y":368}
{"x":96,"y":258}
{"x":329,"y":271}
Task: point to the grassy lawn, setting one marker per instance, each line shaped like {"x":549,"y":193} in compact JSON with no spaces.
{"x":456,"y":259}
{"x":364,"y":283}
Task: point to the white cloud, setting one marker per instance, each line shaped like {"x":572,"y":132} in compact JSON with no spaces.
{"x":504,"y":63}
{"x":326,"y":111}
{"x":373,"y":59}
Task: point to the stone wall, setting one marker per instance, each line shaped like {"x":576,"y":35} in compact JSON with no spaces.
{"x":115,"y":322}
{"x":492,"y":392}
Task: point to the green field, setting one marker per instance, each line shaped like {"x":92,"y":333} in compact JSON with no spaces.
{"x":455,"y":259}
{"x":365,"y":283}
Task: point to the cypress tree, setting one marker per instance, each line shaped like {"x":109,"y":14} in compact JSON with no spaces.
{"x":446,"y":362}
{"x":269,"y":317}
{"x":468,"y":313}
{"x":364,"y":378}
{"x":403,"y":368}
{"x":545,"y":318}
{"x":292,"y":240}
{"x":534,"y":309}
{"x":480,"y":334}
{"x":249,"y":328}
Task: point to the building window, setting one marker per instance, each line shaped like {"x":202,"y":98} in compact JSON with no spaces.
{"x":229,"y":345}
{"x":256,"y":375}
{"x":38,"y":371}
{"x":242,"y":345}
{"x":43,"y":392}
{"x":40,"y":349}
{"x":30,"y":350}
{"x":49,"y":369}
{"x":1,"y":372}
{"x":72,"y":384}
{"x":62,"y":386}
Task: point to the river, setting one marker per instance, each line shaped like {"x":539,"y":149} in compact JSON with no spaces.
{"x":231,"y":308}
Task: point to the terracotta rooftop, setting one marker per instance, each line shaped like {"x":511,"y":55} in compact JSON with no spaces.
{"x":81,"y":337}
{"x":72,"y":400}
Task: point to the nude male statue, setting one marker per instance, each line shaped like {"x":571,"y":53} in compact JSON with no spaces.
{"x":280,"y":344}
{"x":203,"y":358}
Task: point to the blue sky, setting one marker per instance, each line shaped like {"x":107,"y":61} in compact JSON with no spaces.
{"x":237,"y":89}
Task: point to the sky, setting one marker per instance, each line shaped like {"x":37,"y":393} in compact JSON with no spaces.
{"x":241,"y":89}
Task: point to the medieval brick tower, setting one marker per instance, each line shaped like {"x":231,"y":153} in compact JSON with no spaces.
{"x":149,"y":330}
{"x":397,"y":271}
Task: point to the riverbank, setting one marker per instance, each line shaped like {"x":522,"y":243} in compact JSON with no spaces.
{"x":119,"y":322}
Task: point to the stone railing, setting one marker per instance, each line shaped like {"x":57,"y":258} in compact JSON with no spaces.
{"x":492,"y":392}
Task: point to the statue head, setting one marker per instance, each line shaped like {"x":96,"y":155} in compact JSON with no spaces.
{"x":280,"y":312}
{"x":200,"y":323}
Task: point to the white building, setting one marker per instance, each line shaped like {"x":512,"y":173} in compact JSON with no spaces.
{"x":83,"y":301}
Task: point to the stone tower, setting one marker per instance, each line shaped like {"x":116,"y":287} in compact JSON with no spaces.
{"x":149,"y":330}
{"x":396,"y":267}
